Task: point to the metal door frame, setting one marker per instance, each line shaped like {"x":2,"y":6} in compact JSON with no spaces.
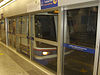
{"x":96,"y":69}
{"x":6,"y":27}
{"x":54,"y":43}
{"x":97,"y":54}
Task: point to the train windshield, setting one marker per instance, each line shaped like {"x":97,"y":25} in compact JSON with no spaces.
{"x":46,"y":26}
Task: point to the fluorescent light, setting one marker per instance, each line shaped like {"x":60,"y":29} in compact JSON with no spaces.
{"x":3,"y":3}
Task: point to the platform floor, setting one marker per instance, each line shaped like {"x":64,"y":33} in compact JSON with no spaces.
{"x":12,"y":64}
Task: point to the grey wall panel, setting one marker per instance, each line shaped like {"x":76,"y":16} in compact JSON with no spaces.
{"x":70,"y":2}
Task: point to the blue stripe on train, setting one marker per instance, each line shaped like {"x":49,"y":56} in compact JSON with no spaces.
{"x":83,"y":49}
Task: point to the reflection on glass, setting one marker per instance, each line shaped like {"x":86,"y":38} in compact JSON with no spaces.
{"x":80,"y":44}
{"x":18,"y":27}
{"x":24,"y":25}
{"x":12,"y":32}
{"x":2,"y":30}
{"x":18,"y":31}
{"x":24,"y":46}
{"x":46,"y":26}
{"x":24,"y":40}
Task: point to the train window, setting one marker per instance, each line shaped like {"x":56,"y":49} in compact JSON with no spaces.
{"x":46,"y":26}
{"x":80,"y":41}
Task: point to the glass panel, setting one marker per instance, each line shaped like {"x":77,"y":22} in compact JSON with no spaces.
{"x":18,"y":31}
{"x":46,"y":25}
{"x":18,"y":43}
{"x":24,"y":46}
{"x":45,"y":28}
{"x":80,"y":41}
{"x":24,"y":25}
{"x":18,"y":27}
{"x":0,"y":29}
{"x":24,"y":38}
{"x":3,"y":32}
{"x":12,"y":32}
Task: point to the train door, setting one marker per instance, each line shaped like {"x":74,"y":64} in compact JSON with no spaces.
{"x":24,"y":37}
{"x":44,"y":47}
{"x":80,"y":40}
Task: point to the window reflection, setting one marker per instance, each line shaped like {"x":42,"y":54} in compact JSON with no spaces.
{"x":2,"y":31}
{"x":82,"y":26}
{"x":46,"y":26}
{"x":80,"y":41}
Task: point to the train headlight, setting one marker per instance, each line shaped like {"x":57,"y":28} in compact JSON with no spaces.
{"x":45,"y":53}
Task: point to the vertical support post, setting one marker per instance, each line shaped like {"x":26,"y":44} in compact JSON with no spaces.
{"x":34,"y":30}
{"x":66,"y":28}
{"x":60,"y":58}
{"x":6,"y":25}
{"x":30,"y":43}
{"x":96,"y":70}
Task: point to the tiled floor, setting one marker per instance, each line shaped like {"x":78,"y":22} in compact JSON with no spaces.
{"x":12,"y":64}
{"x":9,"y":66}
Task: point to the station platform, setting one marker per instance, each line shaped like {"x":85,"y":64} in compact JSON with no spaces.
{"x":12,"y":64}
